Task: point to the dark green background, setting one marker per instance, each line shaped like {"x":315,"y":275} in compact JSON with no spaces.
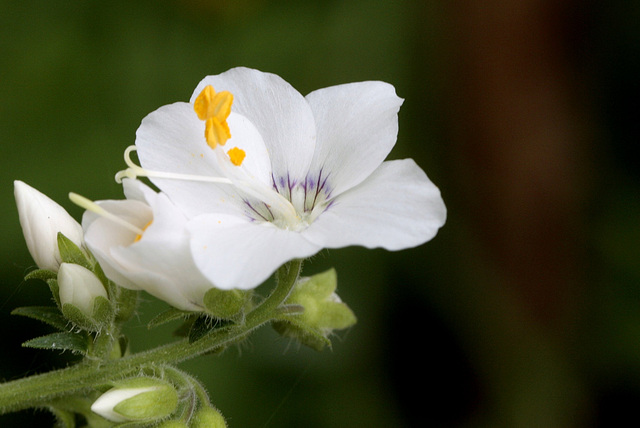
{"x":518,"y":314}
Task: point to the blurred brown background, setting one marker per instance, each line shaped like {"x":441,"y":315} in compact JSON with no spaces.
{"x":525,"y":309}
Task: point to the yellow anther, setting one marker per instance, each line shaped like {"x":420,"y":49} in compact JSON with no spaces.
{"x":211,"y":103}
{"x":214,"y":108}
{"x":139,"y":236}
{"x":216,"y":132}
{"x":236,"y":156}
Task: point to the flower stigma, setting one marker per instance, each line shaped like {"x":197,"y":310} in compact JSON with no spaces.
{"x":134,"y":171}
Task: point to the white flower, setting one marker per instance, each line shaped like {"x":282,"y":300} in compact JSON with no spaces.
{"x":302,"y":174}
{"x":80,"y":287}
{"x":142,"y":244}
{"x":41,"y":219}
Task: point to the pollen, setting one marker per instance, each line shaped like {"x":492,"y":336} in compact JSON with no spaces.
{"x":236,"y":156}
{"x":214,"y":108}
{"x":139,"y":236}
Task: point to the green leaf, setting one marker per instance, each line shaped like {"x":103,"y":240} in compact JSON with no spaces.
{"x":47,"y":314}
{"x":70,"y":253}
{"x":67,"y":341}
{"x":169,"y":315}
{"x":42,"y":274}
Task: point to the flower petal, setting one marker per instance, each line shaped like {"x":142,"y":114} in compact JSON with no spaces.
{"x":357,"y":126}
{"x":136,"y":190}
{"x":396,"y":207}
{"x":101,"y":234}
{"x":160,"y":262}
{"x":235,"y":253}
{"x":279,"y":112}
{"x":171,"y":139}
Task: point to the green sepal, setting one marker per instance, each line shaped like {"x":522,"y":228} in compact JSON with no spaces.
{"x":204,"y":324}
{"x":71,"y":253}
{"x":101,"y":315}
{"x":41,"y":274}
{"x":64,"y":418}
{"x":127,"y":302}
{"x":55,"y":290}
{"x":64,"y":341}
{"x":147,"y":406}
{"x":126,"y":299}
{"x":225,"y":303}
{"x":310,"y":337}
{"x":169,"y":315}
{"x":98,"y":272}
{"x":47,"y":314}
{"x":102,"y":310}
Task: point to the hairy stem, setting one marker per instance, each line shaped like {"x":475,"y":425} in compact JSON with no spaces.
{"x":38,"y":390}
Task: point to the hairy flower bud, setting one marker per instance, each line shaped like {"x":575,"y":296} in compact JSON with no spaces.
{"x":41,"y":219}
{"x":322,"y":311}
{"x":137,"y":399}
{"x":208,"y":417}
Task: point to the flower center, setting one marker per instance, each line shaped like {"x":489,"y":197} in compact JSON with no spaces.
{"x":139,"y":236}
{"x":285,"y":204}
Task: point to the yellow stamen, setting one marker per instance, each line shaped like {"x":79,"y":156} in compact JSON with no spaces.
{"x":216,"y":132}
{"x":139,"y":236}
{"x":236,"y":156}
{"x":214,"y":108}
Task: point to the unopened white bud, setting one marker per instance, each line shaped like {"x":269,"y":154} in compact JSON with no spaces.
{"x":140,"y":399}
{"x":79,"y":287}
{"x":41,"y":219}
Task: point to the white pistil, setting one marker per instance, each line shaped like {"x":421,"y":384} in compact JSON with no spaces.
{"x":135,"y":171}
{"x":253,"y":188}
{"x":89,"y":205}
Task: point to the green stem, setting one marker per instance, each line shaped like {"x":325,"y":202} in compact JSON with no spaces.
{"x":38,"y":390}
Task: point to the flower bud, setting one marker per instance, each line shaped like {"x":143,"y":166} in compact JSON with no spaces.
{"x":225,"y":303}
{"x":137,"y":399}
{"x":323,"y":311}
{"x":208,"y":417}
{"x":41,"y":219}
{"x":83,"y":298}
{"x":79,"y":287}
